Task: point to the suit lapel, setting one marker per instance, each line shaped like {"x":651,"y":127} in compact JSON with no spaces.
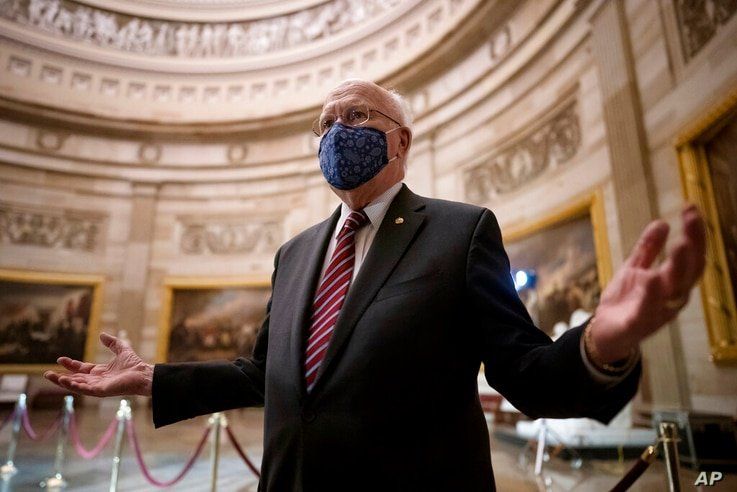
{"x":314,"y":255}
{"x":389,"y":244}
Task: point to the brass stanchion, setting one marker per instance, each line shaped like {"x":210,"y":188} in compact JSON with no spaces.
{"x":217,"y":422}
{"x":123,"y":416}
{"x":9,"y":469}
{"x":634,"y":473}
{"x":57,"y":482}
{"x":669,"y":436}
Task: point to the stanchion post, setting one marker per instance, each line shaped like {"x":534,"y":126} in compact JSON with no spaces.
{"x":8,"y":469}
{"x":669,"y":436}
{"x":57,"y":482}
{"x":217,"y":422}
{"x":123,"y":416}
{"x":540,"y":451}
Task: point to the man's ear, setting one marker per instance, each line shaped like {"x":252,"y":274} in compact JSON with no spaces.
{"x":405,"y":140}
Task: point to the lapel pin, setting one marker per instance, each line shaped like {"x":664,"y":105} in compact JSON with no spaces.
{"x":399,"y":220}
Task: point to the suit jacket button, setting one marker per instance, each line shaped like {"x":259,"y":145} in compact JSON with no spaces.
{"x":308,"y":415}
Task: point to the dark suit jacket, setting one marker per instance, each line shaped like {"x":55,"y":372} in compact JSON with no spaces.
{"x":395,"y":406}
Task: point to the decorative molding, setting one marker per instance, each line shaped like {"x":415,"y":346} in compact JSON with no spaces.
{"x":698,"y":22}
{"x":154,"y":37}
{"x":51,"y":74}
{"x":149,"y":153}
{"x":19,"y":66}
{"x":552,"y":143}
{"x":237,"y":153}
{"x":50,"y":140}
{"x":63,"y":229}
{"x":500,"y":43}
{"x":229,"y":235}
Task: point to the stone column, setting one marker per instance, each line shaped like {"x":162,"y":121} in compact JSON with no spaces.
{"x":632,"y":182}
{"x":135,"y":276}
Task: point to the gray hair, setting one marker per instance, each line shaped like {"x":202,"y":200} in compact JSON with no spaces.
{"x":399,"y":103}
{"x":403,"y":107}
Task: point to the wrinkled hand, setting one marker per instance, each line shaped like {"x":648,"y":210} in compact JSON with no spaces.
{"x":126,"y":374}
{"x":640,"y":299}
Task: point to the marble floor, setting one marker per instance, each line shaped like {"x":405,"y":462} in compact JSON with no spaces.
{"x":167,"y":449}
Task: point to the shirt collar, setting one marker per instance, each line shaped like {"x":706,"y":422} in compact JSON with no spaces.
{"x":376,"y":210}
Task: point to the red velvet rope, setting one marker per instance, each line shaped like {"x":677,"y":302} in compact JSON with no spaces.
{"x":131,"y":431}
{"x":32,"y":434}
{"x":242,"y":453}
{"x":91,"y":453}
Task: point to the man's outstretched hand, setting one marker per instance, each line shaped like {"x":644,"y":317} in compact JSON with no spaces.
{"x":641,"y":297}
{"x":126,"y":374}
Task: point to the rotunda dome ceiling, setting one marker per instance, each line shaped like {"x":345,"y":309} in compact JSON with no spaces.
{"x":211,"y":61}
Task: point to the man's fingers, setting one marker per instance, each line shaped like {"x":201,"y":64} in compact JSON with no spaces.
{"x":685,"y":263}
{"x":52,"y":376}
{"x":78,"y":384}
{"x":64,"y":382}
{"x":649,"y":245}
{"x":115,"y":345}
{"x":75,"y":365}
{"x":84,"y":384}
{"x":694,"y":231}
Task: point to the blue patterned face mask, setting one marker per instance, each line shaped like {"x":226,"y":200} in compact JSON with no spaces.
{"x":351,"y":156}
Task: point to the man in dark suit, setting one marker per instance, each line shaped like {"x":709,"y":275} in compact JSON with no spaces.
{"x":369,"y":380}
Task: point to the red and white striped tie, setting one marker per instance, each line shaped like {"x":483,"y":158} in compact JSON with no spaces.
{"x":331,"y":294}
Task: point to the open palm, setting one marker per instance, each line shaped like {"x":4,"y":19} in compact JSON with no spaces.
{"x":641,"y":297}
{"x":125,"y":374}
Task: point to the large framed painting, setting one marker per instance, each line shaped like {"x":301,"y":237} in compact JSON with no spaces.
{"x":46,"y":315}
{"x":568,"y":252}
{"x":707,"y":155}
{"x":214,"y":318}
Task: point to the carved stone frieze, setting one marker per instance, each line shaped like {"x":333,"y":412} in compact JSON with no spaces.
{"x":230,"y":235}
{"x":63,"y":229}
{"x":108,"y":29}
{"x":514,"y":164}
{"x":699,"y":21}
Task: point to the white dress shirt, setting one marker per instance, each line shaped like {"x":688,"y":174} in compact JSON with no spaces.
{"x":376,"y":210}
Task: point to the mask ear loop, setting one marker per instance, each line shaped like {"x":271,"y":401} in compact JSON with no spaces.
{"x":386,"y":133}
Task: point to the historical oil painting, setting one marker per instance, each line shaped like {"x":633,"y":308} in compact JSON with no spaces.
{"x":204,"y":321}
{"x":562,"y":257}
{"x":44,"y":316}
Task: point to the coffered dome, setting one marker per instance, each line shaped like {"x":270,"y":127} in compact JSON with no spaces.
{"x":220,"y":60}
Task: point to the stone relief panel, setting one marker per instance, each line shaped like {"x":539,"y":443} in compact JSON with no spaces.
{"x":700,"y":20}
{"x":114,"y":30}
{"x":62,"y":229}
{"x":515,"y":163}
{"x":229,"y":235}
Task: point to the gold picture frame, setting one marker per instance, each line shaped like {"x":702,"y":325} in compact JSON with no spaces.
{"x":718,"y":296}
{"x":92,"y":307}
{"x":173,"y":284}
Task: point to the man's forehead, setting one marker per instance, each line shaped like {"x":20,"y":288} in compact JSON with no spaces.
{"x":351,"y":94}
